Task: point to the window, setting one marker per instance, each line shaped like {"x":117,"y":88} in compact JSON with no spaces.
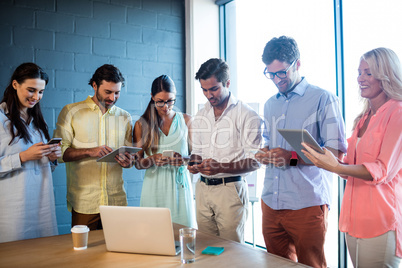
{"x":256,"y":22}
{"x":250,"y":24}
{"x":377,"y":26}
{"x":364,"y":31}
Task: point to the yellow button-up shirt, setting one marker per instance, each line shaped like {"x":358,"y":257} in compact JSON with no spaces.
{"x":89,"y":183}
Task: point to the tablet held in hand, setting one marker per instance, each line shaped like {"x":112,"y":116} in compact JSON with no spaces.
{"x":110,"y":156}
{"x":296,"y":136}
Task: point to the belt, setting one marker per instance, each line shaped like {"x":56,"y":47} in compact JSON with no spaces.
{"x":217,"y":181}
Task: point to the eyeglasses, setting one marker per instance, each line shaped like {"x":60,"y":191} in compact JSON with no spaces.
{"x":162,"y":103}
{"x":280,"y":74}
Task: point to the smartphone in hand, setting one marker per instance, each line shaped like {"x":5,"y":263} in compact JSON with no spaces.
{"x":54,"y":141}
{"x":194,"y":162}
{"x":168,"y":153}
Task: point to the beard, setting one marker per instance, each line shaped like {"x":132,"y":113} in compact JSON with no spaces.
{"x":107,"y":103}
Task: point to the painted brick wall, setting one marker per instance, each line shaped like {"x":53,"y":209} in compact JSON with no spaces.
{"x":71,"y":38}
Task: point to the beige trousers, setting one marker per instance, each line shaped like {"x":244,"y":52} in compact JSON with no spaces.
{"x":222,"y":209}
{"x":373,"y":252}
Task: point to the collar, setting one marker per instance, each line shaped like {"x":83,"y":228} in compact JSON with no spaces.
{"x":386,"y":105}
{"x":232,"y":101}
{"x":300,"y":90}
{"x":3,"y":107}
{"x":91,"y":104}
{"x":382,"y":108}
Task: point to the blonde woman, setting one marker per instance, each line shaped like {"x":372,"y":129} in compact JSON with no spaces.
{"x":371,"y":212}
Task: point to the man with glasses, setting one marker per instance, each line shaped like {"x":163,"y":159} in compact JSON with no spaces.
{"x":225,"y":132}
{"x":296,"y":196}
{"x":91,"y":129}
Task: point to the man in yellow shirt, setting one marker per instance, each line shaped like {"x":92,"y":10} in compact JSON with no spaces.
{"x":91,"y":129}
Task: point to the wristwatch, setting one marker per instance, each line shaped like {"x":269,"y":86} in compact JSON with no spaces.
{"x":293,"y":159}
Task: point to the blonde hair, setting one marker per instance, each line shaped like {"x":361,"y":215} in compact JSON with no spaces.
{"x":385,"y":67}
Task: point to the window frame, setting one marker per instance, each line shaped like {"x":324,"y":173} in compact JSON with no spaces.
{"x":340,"y":92}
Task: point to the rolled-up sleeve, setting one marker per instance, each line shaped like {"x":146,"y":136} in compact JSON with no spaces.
{"x":196,"y":132}
{"x":9,"y":163}
{"x":9,"y":157}
{"x":332,"y":127}
{"x":252,"y":134}
{"x":64,"y":130}
{"x":129,"y":131}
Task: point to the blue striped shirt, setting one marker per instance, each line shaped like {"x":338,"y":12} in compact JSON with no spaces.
{"x":316,"y":110}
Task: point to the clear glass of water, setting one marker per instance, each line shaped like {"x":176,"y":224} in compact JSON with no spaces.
{"x":187,"y":244}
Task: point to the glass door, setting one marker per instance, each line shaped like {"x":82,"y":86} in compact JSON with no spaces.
{"x":311,"y":24}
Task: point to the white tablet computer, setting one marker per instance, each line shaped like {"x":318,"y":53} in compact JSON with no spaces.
{"x":296,"y":136}
{"x":110,"y":156}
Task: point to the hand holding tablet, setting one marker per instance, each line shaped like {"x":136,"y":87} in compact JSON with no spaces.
{"x":296,"y":136}
{"x":110,"y":157}
{"x":327,"y":161}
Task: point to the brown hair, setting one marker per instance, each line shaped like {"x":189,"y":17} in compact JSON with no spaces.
{"x":18,"y":128}
{"x":150,"y":120}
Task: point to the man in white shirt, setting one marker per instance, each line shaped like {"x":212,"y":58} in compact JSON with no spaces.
{"x":226,"y":132}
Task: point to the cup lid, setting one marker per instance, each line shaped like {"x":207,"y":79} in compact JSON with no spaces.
{"x":80,"y":229}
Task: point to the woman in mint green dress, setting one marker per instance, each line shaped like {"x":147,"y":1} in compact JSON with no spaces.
{"x":167,"y":181}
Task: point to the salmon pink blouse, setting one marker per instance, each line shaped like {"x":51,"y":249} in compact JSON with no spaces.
{"x":372,"y":208}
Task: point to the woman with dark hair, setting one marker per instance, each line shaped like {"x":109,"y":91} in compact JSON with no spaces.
{"x":26,"y":161}
{"x":371,"y":212}
{"x":167,"y":181}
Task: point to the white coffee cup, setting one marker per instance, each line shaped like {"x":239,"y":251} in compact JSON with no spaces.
{"x":80,"y":236}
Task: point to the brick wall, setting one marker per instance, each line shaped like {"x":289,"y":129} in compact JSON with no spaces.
{"x":71,"y":38}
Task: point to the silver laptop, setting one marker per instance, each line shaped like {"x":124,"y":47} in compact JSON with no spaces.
{"x":138,"y":230}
